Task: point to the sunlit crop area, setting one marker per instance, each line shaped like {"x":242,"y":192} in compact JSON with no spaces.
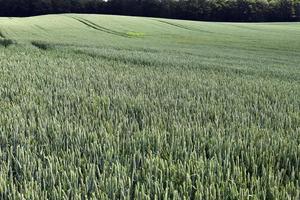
{"x":111,"y":107}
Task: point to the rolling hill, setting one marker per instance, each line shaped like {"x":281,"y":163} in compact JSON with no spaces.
{"x":115,"y":107}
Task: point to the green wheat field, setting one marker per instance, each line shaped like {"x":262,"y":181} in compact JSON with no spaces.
{"x":112,"y":107}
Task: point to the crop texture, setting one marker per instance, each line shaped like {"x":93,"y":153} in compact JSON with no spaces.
{"x":110,"y":107}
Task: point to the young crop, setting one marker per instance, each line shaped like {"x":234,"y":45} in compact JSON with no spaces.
{"x":209,"y":111}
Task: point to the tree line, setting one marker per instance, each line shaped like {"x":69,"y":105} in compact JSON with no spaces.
{"x":211,"y":10}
